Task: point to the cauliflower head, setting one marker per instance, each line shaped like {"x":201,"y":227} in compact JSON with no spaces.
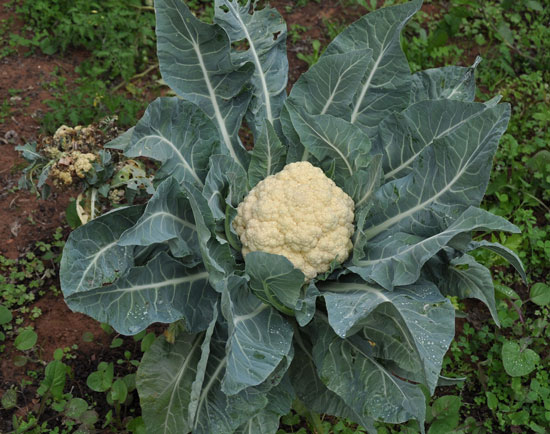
{"x":298,"y":213}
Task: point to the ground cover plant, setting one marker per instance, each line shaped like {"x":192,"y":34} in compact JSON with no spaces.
{"x":361,"y":337}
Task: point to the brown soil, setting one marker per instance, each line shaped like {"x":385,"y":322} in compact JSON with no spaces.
{"x":23,"y":81}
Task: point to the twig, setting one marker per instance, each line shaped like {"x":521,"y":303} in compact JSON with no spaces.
{"x":141,"y":74}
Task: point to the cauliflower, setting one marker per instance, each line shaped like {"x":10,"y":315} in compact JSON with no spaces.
{"x":298,"y":213}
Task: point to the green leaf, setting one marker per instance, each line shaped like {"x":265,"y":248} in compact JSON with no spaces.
{"x":5,"y":315}
{"x":396,"y":258}
{"x":364,"y":182}
{"x":403,"y":136}
{"x":502,"y":251}
{"x":474,"y":281}
{"x":349,"y":369}
{"x":92,"y":257}
{"x":195,"y":62}
{"x":445,"y":411}
{"x":169,"y":400}
{"x":25,"y":340}
{"x":119,"y":390}
{"x":179,"y":135}
{"x":216,"y":255}
{"x":518,"y":361}
{"x":412,"y":326}
{"x":259,"y":338}
{"x":164,"y":290}
{"x":54,"y":379}
{"x":268,"y":156}
{"x":385,"y":84}
{"x":9,"y":399}
{"x":315,"y":395}
{"x":102,"y":379}
{"x":180,"y":387}
{"x":540,"y":294}
{"x":332,"y":141}
{"x":121,"y":142}
{"x":448,"y":177}
{"x":265,"y":32}
{"x":274,"y":280}
{"x":226,"y":184}
{"x":168,"y":217}
{"x":448,"y":82}
{"x":329,"y":85}
{"x":75,"y":408}
{"x":30,"y":153}
{"x":306,"y":305}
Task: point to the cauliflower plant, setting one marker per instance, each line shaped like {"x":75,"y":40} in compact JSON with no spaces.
{"x":298,"y":213}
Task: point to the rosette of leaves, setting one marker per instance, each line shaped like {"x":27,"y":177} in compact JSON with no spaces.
{"x":363,"y":341}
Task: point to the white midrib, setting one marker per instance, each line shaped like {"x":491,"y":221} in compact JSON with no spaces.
{"x":333,"y":93}
{"x":168,"y":282}
{"x":211,"y":93}
{"x":92,"y":263}
{"x":366,"y":86}
{"x":177,"y":151}
{"x":177,"y":381}
{"x":443,"y":133}
{"x":256,"y":61}
{"x":215,"y":106}
{"x":375,"y":230}
{"x":350,"y":170}
{"x":172,"y":216}
{"x":239,"y":318}
{"x":207,"y":388}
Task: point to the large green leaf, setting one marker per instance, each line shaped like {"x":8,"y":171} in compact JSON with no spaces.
{"x":167,"y":217}
{"x":448,"y":82}
{"x":274,"y":280}
{"x":216,"y":254}
{"x":449,"y":176}
{"x":268,"y":156}
{"x":396,"y":258}
{"x":500,"y":250}
{"x":178,"y":134}
{"x":466,"y":278}
{"x":315,"y":395}
{"x":349,"y":368}
{"x":195,"y":61}
{"x":92,"y":256}
{"x":226,"y":184}
{"x":334,"y":142}
{"x":403,"y":136}
{"x":170,"y":378}
{"x":164,"y":290}
{"x":329,"y":86}
{"x":181,"y":383}
{"x":259,"y":338}
{"x":385,"y":85}
{"x":422,"y":317}
{"x":363,"y":183}
{"x":265,"y":32}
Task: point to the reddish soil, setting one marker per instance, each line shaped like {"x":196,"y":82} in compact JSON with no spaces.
{"x":23,"y":82}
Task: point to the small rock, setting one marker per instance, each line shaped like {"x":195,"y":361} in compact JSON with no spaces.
{"x":11,"y":136}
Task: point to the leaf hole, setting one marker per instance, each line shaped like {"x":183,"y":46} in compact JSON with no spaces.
{"x":276,"y":35}
{"x":242,"y":45}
